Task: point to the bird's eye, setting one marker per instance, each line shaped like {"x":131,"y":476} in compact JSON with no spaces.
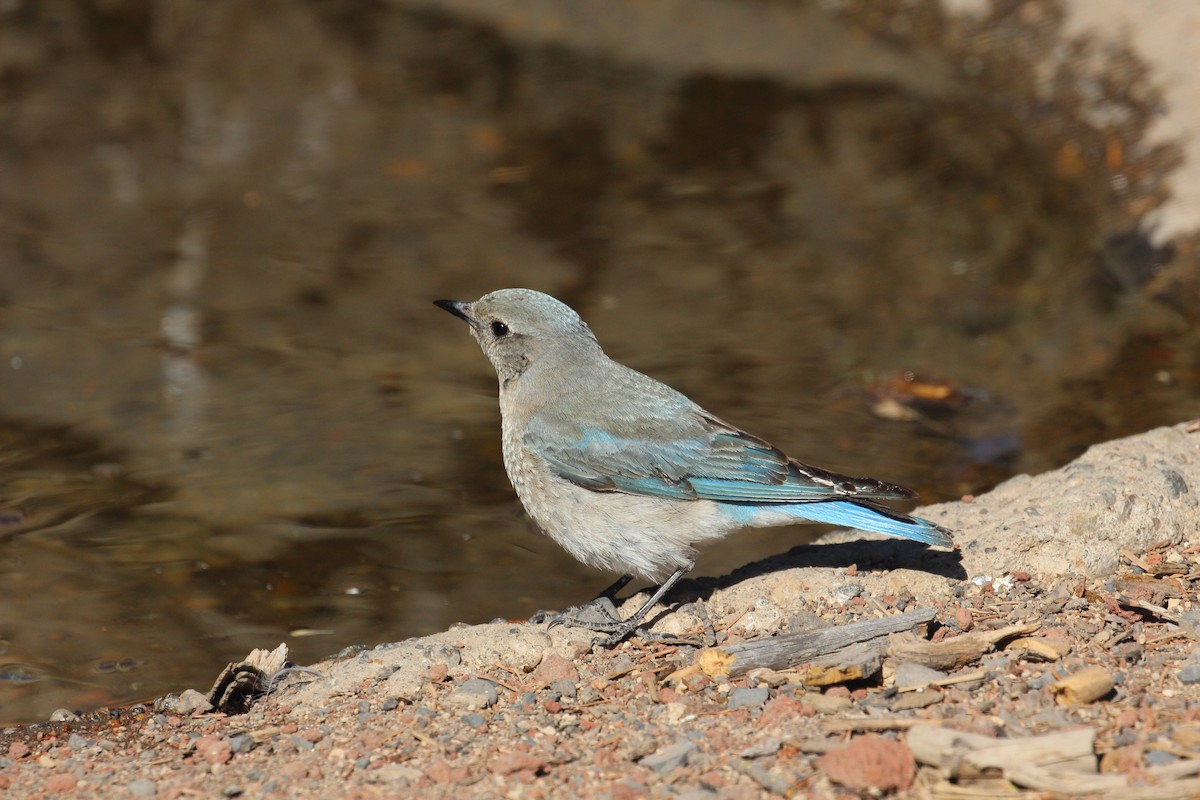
{"x":499,"y":329}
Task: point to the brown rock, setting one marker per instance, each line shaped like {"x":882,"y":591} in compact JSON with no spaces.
{"x":964,"y":619}
{"x":62,"y":782}
{"x":213,"y":749}
{"x":553,"y":667}
{"x":781,"y":709}
{"x":511,"y":763}
{"x":870,"y":763}
{"x":629,"y":789}
{"x":441,"y":772}
{"x":18,"y":750}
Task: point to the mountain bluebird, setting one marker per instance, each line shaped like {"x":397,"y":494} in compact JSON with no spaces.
{"x":626,"y":473}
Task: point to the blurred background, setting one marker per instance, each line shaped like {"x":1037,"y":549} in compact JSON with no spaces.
{"x":916,"y":239}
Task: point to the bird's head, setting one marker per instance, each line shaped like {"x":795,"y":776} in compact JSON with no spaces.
{"x":519,"y":328}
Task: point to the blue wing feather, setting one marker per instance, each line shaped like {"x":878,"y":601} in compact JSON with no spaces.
{"x":661,"y":444}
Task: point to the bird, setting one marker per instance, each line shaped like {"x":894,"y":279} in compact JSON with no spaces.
{"x":628,"y":474}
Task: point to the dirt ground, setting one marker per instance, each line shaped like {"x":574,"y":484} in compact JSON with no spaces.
{"x":229,"y":412}
{"x":1059,"y":662}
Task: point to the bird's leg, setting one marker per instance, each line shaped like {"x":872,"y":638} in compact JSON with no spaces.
{"x":601,"y":605}
{"x":630,"y":625}
{"x":616,"y":628}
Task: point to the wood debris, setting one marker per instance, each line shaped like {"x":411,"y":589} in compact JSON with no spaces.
{"x":954,"y":652}
{"x":1084,"y":686}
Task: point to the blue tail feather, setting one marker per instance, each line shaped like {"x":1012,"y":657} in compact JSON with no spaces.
{"x":860,"y":514}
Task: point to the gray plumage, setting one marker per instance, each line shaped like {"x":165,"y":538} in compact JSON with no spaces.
{"x":628,"y":474}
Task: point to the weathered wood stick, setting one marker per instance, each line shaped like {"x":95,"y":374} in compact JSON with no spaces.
{"x":788,"y":650}
{"x":957,"y":751}
{"x":956,"y":651}
{"x":1090,"y":683}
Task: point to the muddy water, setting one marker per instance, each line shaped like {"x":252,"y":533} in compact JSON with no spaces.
{"x":229,"y":415}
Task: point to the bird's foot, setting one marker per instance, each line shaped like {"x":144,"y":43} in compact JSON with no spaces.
{"x":600,"y":615}
{"x":621,"y":633}
{"x":595,"y":615}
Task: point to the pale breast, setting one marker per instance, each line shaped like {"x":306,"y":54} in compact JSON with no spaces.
{"x":644,"y":536}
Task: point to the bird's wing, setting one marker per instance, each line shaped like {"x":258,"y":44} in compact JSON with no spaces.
{"x":666,"y":446}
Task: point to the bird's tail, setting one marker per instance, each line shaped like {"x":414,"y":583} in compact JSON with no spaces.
{"x":868,"y":516}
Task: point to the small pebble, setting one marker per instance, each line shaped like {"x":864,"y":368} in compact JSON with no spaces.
{"x":63,"y":715}
{"x":61,"y":782}
{"x":189,"y":702}
{"x":241,"y":743}
{"x":77,"y":742}
{"x":847,"y":592}
{"x":767,"y":747}
{"x":828,"y":703}
{"x":1042,"y":681}
{"x":474,"y":693}
{"x":910,"y":674}
{"x":142,"y":787}
{"x":918,"y":699}
{"x":748,"y":698}
{"x":1126,"y":737}
{"x":1189,"y":674}
{"x":1158,"y":758}
{"x":668,"y":758}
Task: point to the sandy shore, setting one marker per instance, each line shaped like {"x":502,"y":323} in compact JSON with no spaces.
{"x":1059,"y":658}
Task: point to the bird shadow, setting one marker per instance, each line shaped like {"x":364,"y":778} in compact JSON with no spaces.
{"x":864,"y":554}
{"x":867,"y":555}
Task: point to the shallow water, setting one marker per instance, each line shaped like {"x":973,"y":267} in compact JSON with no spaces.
{"x":231,"y":416}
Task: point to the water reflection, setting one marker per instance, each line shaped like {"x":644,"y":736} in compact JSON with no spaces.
{"x":234,"y":418}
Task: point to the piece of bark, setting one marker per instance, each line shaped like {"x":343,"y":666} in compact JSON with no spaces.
{"x":789,"y":650}
{"x":968,"y":755}
{"x":1084,"y":686}
{"x":854,"y":663}
{"x":1114,"y":787}
{"x":954,"y":652}
{"x":1063,"y":763}
{"x":949,"y":680}
{"x":1038,"y":649}
{"x":242,"y":682}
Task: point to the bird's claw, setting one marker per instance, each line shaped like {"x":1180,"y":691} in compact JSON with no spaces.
{"x":596,"y":615}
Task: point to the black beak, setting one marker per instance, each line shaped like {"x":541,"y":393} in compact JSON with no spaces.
{"x":456,"y":307}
